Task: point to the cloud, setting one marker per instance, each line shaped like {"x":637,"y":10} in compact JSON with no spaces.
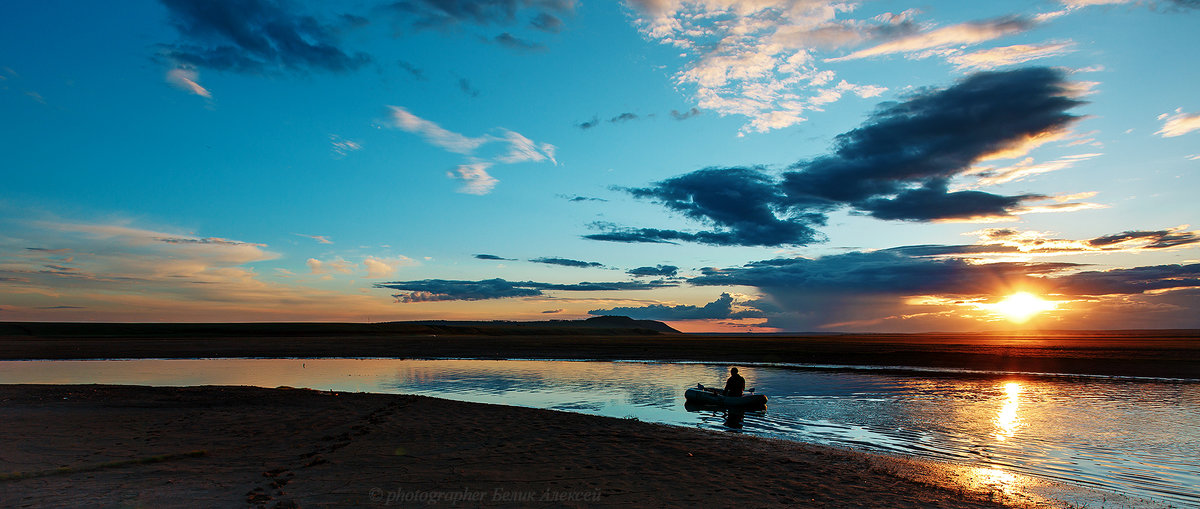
{"x":342,"y":146}
{"x":474,"y":173}
{"x":433,"y":290}
{"x":624,"y":117}
{"x":319,"y":238}
{"x":491,"y":257}
{"x":254,"y":36}
{"x":685,"y":115}
{"x":566,"y":262}
{"x":1136,"y":280}
{"x":1178,"y":124}
{"x":186,"y":80}
{"x":547,"y":22}
{"x":443,"y":13}
{"x":755,"y":58}
{"x":433,"y":133}
{"x":466,"y":88}
{"x":722,"y":308}
{"x":577,"y":198}
{"x":657,"y":270}
{"x":475,"y":178}
{"x":522,"y":149}
{"x":972,"y":32}
{"x":588,"y":124}
{"x":744,"y":203}
{"x":896,"y":166}
{"x":414,"y":71}
{"x":337,"y":265}
{"x":513,"y":42}
{"x":385,"y":267}
{"x":1007,"y":55}
{"x":1025,"y":168}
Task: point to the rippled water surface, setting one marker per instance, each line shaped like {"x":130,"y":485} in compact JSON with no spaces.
{"x":1137,"y":437}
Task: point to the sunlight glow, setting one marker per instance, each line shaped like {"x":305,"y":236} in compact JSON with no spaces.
{"x":1006,"y":419}
{"x":1019,"y":307}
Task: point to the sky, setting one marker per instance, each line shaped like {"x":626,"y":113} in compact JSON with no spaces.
{"x":720,"y":165}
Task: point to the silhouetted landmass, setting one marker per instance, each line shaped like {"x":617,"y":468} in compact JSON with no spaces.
{"x":600,"y":325}
{"x":1155,"y":353}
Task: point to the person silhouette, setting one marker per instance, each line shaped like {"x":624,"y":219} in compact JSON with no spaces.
{"x":736,"y":384}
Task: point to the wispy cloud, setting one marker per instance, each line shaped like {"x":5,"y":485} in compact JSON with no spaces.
{"x":186,"y":80}
{"x":1008,"y":55}
{"x":434,"y":290}
{"x":342,"y":146}
{"x":566,"y":262}
{"x":319,"y":238}
{"x":1178,"y":124}
{"x":385,"y":267}
{"x":474,"y":173}
{"x":973,"y":32}
{"x":434,"y":133}
{"x":474,"y":177}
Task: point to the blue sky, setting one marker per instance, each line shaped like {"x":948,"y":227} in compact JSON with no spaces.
{"x":718,"y":164}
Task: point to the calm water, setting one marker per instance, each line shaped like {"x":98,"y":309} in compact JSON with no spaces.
{"x":1136,"y":437}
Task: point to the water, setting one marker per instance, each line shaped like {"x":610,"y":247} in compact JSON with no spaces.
{"x":1136,"y":437}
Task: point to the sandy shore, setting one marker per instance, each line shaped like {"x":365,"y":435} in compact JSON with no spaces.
{"x":1174,"y":354}
{"x":132,"y":446}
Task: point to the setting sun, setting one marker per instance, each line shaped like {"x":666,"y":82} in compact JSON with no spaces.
{"x":1020,"y":307}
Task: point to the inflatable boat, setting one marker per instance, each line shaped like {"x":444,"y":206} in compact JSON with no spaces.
{"x":702,"y":395}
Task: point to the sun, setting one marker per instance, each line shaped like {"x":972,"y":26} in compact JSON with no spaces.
{"x":1020,"y":307}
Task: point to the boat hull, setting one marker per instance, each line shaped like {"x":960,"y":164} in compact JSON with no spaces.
{"x":704,"y":397}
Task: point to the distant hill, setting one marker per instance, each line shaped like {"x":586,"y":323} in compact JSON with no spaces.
{"x":619,"y":323}
{"x":601,"y":325}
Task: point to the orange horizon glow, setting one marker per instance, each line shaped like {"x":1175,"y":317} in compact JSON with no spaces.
{"x":1019,"y":307}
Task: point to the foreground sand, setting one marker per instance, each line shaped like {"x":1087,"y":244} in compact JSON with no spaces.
{"x":133,"y":446}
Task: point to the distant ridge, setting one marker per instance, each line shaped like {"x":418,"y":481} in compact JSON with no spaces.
{"x":597,"y":326}
{"x":624,"y":323}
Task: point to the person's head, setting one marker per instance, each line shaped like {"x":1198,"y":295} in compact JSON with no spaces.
{"x":733,"y":371}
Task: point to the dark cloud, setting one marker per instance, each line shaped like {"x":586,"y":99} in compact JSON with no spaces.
{"x":254,"y":36}
{"x":61,"y":307}
{"x":657,"y":270}
{"x":441,"y":13}
{"x":624,"y":117}
{"x":513,"y":42}
{"x":551,"y":311}
{"x":547,"y":22}
{"x":491,"y":257}
{"x":896,"y":166}
{"x":588,"y":124}
{"x":578,"y":198}
{"x":880,"y":272}
{"x":466,"y":87}
{"x":48,"y":250}
{"x":1157,"y":239}
{"x":744,"y":204}
{"x":430,"y":290}
{"x":566,"y":262}
{"x":685,"y":115}
{"x":417,"y":73}
{"x":1135,"y":280}
{"x":722,"y":308}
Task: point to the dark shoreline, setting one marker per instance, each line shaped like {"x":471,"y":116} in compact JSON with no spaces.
{"x":1153,"y":353}
{"x":226,"y":446}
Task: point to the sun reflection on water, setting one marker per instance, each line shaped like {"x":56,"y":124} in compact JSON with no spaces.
{"x":1007,"y":421}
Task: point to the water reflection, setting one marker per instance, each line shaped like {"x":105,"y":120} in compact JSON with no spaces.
{"x":1007,"y":419}
{"x":1130,"y":436}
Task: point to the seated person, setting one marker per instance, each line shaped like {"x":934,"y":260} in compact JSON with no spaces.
{"x":736,"y":384}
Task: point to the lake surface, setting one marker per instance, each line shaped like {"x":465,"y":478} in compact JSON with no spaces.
{"x":1136,"y":437}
